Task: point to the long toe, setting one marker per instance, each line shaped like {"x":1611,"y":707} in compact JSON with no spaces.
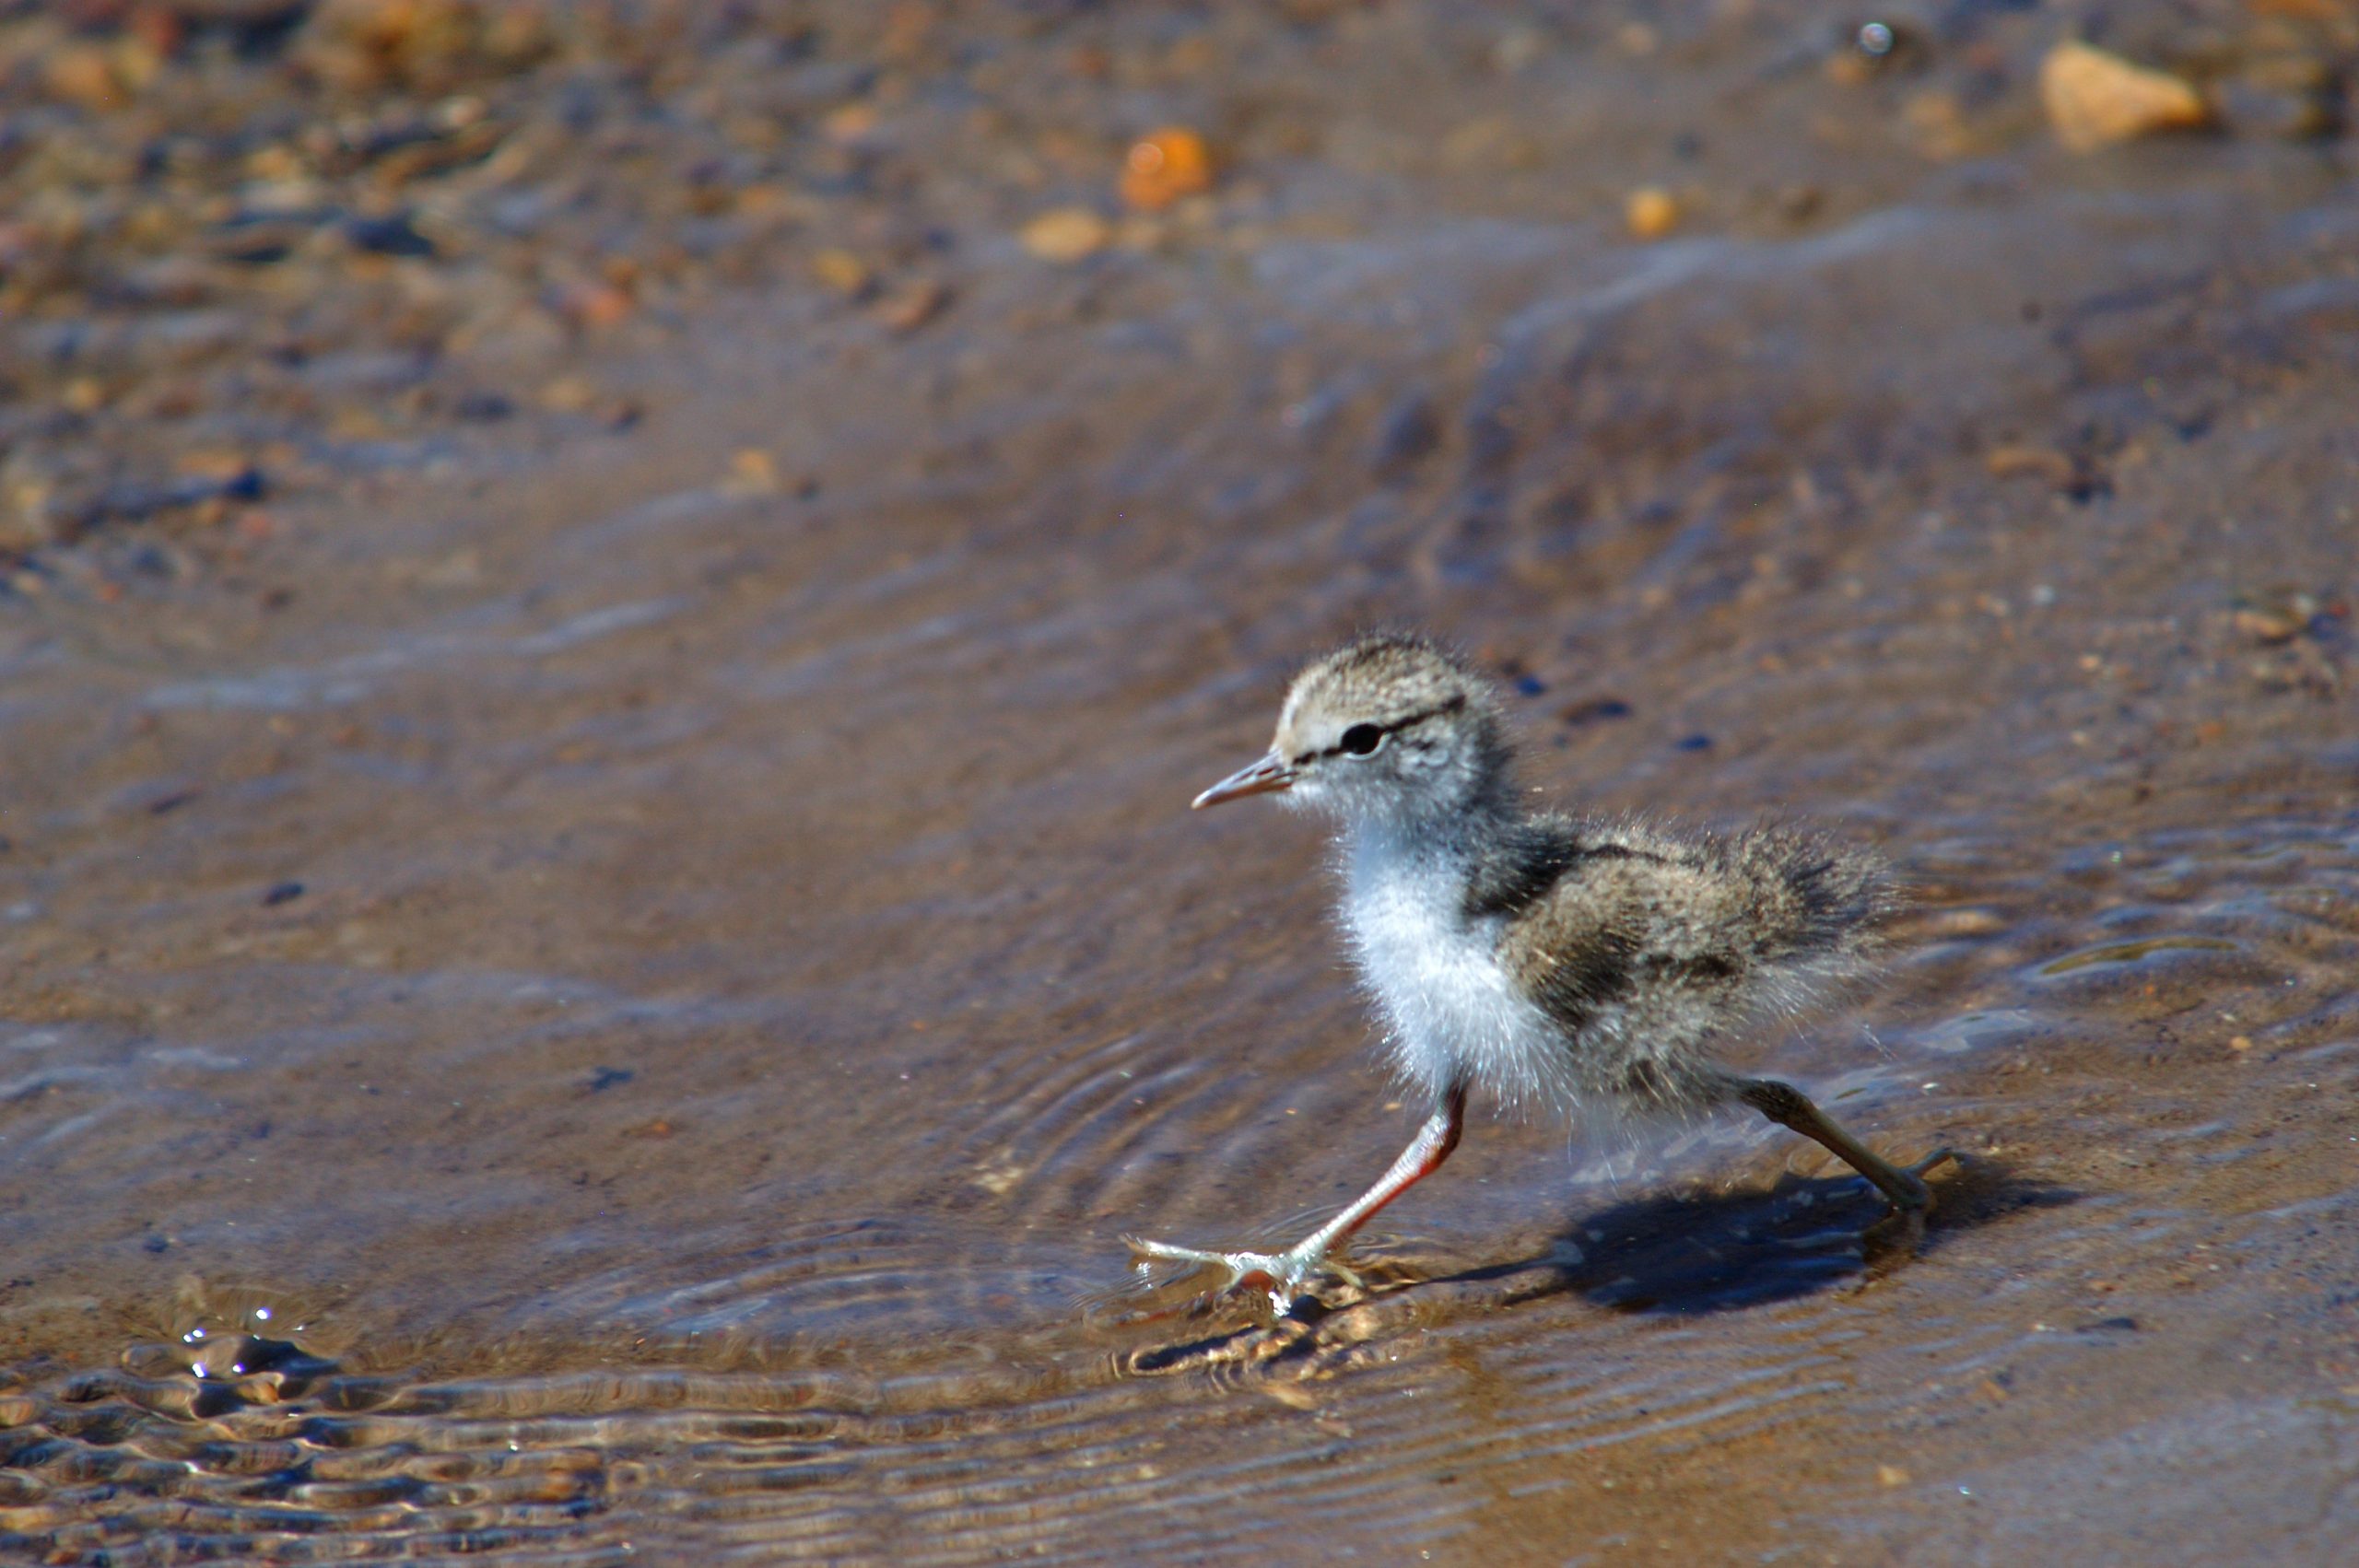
{"x":1920,"y":1198}
{"x":1222,"y":1271}
{"x":1280,"y":1275}
{"x":1934,"y":1161}
{"x":1144,"y":1251}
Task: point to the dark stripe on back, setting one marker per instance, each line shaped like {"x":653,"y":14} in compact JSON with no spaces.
{"x":1531,"y":865}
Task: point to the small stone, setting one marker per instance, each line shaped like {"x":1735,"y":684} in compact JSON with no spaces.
{"x":851,"y":125}
{"x":365,"y":45}
{"x":839,"y":269}
{"x":227,"y":466}
{"x":2270,"y":625}
{"x":97,"y":78}
{"x":906,"y":309}
{"x":2009,"y":460}
{"x":78,"y":74}
{"x":1065,"y":235}
{"x":1651,"y":212}
{"x":1164,"y":167}
{"x":592,"y":305}
{"x":2095,"y":98}
{"x":752,"y":471}
{"x":1891,"y":1475}
{"x":568,"y":394}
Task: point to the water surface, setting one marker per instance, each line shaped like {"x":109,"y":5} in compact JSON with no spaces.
{"x":750,"y":961}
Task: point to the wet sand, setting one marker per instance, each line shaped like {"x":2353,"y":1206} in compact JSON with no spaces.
{"x":602,"y":935}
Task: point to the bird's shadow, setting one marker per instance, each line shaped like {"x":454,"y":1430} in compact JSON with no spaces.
{"x":1695,"y":1253}
{"x":1677,"y":1255}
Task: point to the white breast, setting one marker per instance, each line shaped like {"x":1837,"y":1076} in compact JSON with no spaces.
{"x":1450,"y":1010}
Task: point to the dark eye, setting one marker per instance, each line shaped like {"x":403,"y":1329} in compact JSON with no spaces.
{"x":1361,"y":740}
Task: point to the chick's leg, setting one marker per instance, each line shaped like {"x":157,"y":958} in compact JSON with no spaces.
{"x":1283,"y":1274}
{"x":1903,"y":1185}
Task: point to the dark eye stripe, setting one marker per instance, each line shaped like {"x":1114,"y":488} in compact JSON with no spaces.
{"x":1451,"y":706}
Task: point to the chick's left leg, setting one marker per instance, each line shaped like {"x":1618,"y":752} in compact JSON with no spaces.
{"x":1283,"y":1274}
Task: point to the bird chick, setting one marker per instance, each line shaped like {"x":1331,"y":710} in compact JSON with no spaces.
{"x":1577,"y":965}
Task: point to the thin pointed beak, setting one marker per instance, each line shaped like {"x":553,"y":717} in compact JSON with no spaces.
{"x":1272,"y":772}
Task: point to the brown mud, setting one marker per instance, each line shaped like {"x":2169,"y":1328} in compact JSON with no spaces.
{"x":606,"y":645}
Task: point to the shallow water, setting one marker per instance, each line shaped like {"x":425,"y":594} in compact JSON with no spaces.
{"x":753,"y":963}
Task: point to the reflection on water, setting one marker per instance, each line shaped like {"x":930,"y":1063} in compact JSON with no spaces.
{"x":2132,"y":952}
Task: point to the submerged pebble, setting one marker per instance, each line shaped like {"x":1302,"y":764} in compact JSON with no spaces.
{"x":1067,"y":234}
{"x":2095,"y":98}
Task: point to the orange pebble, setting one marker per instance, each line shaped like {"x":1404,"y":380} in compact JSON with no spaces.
{"x":1162,"y":167}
